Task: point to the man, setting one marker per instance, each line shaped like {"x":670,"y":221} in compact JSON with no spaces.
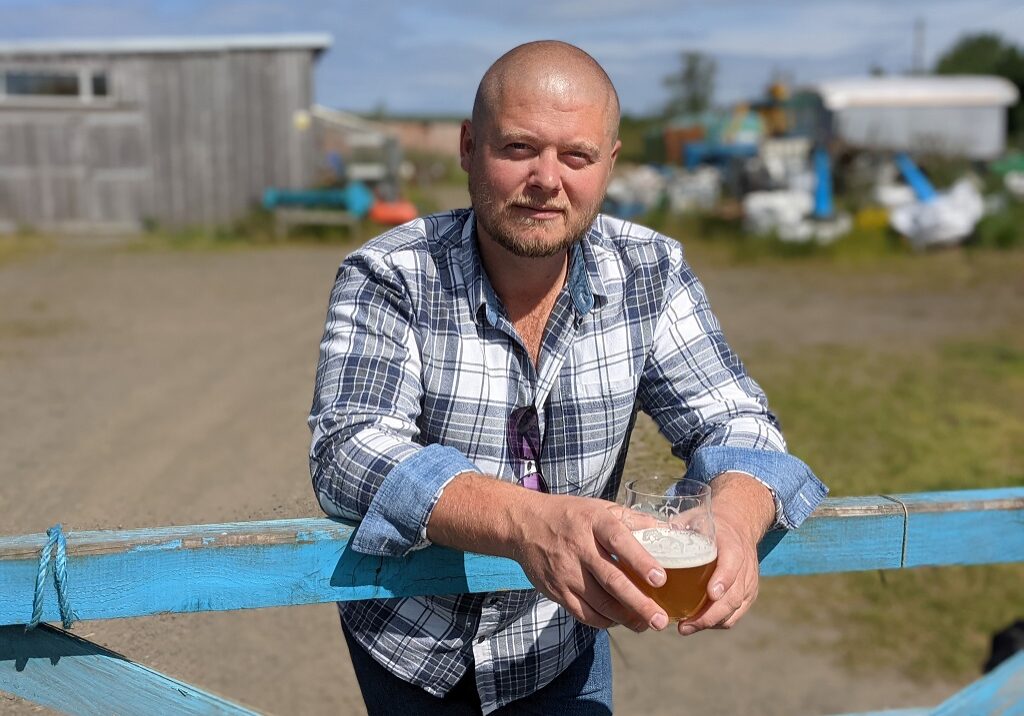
{"x":477,"y":385}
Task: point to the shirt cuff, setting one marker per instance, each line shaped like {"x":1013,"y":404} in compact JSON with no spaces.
{"x":795,"y":488}
{"x":395,"y":522}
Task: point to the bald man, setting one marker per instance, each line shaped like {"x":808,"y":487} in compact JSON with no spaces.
{"x":478,"y":381}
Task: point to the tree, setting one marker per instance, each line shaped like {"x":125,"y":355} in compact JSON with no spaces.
{"x":693,"y":86}
{"x":988,"y":54}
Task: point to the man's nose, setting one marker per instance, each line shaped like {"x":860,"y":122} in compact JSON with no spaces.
{"x":545,"y":174}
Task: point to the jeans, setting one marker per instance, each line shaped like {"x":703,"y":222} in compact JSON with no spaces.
{"x":583,"y":689}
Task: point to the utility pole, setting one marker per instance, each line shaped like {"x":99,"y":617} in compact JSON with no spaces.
{"x":917,"y":62}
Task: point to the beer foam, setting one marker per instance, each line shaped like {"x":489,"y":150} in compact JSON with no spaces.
{"x":676,"y":549}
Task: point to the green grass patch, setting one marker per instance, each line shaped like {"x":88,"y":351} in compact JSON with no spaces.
{"x":933,"y":623}
{"x":870,"y":423}
{"x":254,"y":231}
{"x":1001,"y":230}
{"x":940,"y":419}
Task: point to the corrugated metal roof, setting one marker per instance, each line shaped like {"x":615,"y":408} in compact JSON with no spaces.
{"x":148,"y":45}
{"x":917,"y":91}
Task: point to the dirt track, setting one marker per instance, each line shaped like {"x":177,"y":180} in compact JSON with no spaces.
{"x":156,"y":388}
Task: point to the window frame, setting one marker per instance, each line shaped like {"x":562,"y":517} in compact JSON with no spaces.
{"x":85,"y":97}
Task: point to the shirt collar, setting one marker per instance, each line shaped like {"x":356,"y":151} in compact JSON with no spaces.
{"x":584,"y":278}
{"x":481,"y":295}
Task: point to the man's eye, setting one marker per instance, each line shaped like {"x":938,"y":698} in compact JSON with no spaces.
{"x":518,"y":146}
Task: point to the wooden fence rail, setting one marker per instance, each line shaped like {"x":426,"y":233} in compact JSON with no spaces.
{"x":128,"y":573}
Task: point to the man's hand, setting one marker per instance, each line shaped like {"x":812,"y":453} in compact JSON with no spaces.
{"x":563,"y":543}
{"x":743,"y":510}
{"x":566,"y":551}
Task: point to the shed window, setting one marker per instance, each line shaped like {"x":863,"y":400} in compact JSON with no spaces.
{"x":99,"y":84}
{"x":48,"y":84}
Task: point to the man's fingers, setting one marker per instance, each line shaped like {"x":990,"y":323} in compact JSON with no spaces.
{"x":735,"y":617}
{"x":718,"y":612}
{"x":608,"y":605}
{"x":585,"y":613}
{"x":744,"y":607}
{"x":634,"y":519}
{"x":725,"y":612}
{"x":718,"y":616}
{"x":615,"y":538}
{"x":620,"y":585}
{"x":725,"y":574}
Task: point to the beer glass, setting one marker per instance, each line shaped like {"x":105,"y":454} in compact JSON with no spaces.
{"x":672,"y":519}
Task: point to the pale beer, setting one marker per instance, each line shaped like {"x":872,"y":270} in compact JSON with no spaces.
{"x":688,"y":558}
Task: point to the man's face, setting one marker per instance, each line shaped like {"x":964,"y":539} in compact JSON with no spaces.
{"x":539,"y":168}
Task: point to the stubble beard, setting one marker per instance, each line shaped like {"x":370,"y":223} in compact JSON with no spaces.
{"x":507,"y":229}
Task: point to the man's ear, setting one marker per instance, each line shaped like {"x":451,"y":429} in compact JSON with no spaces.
{"x":615,"y":153}
{"x":466,"y":145}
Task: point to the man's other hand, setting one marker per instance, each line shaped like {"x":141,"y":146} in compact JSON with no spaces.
{"x":743,"y":510}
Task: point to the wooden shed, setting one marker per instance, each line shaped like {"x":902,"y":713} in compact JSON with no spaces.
{"x":104,"y":135}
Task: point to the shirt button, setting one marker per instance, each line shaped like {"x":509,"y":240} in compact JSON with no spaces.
{"x":493,"y":601}
{"x":481,"y":639}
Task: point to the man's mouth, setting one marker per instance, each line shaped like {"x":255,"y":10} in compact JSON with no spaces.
{"x":539,"y":212}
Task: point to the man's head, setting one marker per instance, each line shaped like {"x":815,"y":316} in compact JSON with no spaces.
{"x":540,"y":147}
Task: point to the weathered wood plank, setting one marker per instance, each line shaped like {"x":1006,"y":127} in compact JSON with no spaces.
{"x":999,"y":693}
{"x":222,"y":567}
{"x":285,"y":562}
{"x":894,"y":712}
{"x":59,"y":670}
{"x":834,"y":544}
{"x":932,"y":537}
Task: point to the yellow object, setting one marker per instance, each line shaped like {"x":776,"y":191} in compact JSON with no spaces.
{"x":301,"y":120}
{"x":871,"y":217}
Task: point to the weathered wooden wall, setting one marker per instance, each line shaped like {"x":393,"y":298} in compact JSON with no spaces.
{"x":184,"y":139}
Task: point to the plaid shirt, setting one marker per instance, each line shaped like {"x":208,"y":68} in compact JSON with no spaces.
{"x":419,"y":370}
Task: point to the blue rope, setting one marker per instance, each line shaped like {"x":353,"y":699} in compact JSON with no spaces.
{"x":37,"y":598}
{"x":55,"y":538}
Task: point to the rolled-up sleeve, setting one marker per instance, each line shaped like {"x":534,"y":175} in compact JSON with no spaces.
{"x":365,"y":459}
{"x":713,"y":413}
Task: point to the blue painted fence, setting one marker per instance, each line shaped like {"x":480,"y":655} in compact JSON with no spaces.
{"x":289,"y":562}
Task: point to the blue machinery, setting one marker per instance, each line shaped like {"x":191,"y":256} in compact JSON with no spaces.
{"x":823,"y":206}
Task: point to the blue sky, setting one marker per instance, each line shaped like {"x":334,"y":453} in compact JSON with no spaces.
{"x":427,"y":57}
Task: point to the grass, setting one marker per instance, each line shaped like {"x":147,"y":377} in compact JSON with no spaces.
{"x":878,"y":421}
{"x":254,"y":231}
{"x":942,"y":419}
{"x":20,"y":245}
{"x":875,"y":421}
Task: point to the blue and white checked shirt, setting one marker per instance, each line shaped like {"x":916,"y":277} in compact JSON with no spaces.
{"x":419,"y":370}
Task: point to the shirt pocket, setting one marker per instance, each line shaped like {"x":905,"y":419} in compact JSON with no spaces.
{"x":600,"y":416}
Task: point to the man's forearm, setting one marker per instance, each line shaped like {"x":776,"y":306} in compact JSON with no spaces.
{"x":476,"y":513}
{"x":739,"y":495}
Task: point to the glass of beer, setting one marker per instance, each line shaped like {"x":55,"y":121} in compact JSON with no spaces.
{"x":672,"y":519}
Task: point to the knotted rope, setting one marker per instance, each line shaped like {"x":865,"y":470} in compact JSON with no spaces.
{"x":56,"y":538}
